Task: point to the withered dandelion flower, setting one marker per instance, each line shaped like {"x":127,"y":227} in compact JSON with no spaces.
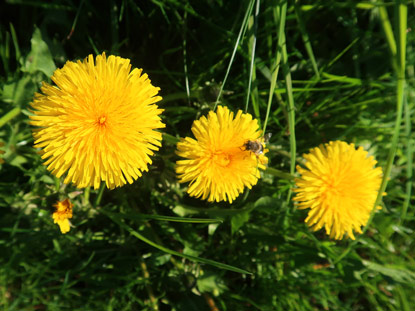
{"x":98,"y":123}
{"x":339,"y":185}
{"x":63,"y":211}
{"x":217,"y":163}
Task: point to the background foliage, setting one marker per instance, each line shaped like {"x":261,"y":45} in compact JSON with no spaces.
{"x":343,"y":58}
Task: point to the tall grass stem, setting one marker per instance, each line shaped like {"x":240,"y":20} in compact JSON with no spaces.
{"x":400,"y":91}
{"x":281,"y":12}
{"x":240,"y":35}
{"x":253,"y":46}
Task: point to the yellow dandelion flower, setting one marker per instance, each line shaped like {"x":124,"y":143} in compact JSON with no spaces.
{"x":339,"y":185}
{"x":63,"y":211}
{"x":98,"y":123}
{"x":217,"y":163}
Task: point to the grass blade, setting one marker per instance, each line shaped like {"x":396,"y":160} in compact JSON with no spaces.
{"x":306,"y":40}
{"x":400,"y":90}
{"x":241,"y":31}
{"x":291,"y":108}
{"x":387,"y":28}
{"x":139,"y":216}
{"x":400,"y":60}
{"x":252,"y":43}
{"x":118,"y":221}
{"x":281,"y":30}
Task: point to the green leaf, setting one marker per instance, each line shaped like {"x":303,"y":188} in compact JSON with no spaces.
{"x":239,"y":220}
{"x":211,"y":283}
{"x":39,"y":58}
{"x":398,"y":274}
{"x":19,"y":92}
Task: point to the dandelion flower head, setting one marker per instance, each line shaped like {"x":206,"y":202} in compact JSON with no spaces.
{"x":63,"y":211}
{"x":217,"y":165}
{"x":98,"y":123}
{"x":339,"y":185}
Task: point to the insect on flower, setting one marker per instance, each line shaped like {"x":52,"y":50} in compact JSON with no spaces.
{"x":257,"y":146}
{"x":215,"y":162}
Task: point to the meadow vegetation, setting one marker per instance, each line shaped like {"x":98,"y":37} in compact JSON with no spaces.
{"x":310,"y":72}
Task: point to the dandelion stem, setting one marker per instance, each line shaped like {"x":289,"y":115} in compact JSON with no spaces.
{"x":10,"y":115}
{"x":100,"y":193}
{"x":278,"y":173}
{"x":87,"y":191}
{"x":170,"y":139}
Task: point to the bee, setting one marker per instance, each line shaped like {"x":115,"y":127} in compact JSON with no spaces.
{"x":257,"y":146}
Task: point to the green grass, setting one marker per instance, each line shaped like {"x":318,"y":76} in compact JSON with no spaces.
{"x":346,"y":73}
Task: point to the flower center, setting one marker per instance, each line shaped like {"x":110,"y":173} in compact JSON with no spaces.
{"x":102,"y":120}
{"x":340,"y":185}
{"x":221,"y":159}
